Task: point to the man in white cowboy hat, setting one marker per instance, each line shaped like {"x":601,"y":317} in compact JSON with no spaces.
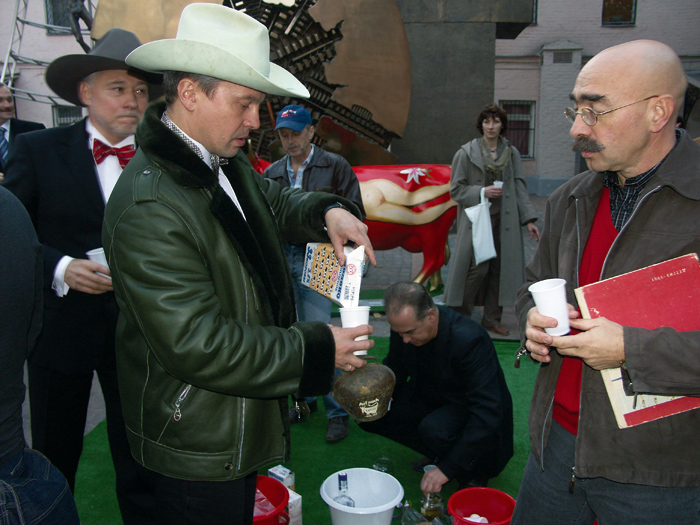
{"x":207,"y":347}
{"x":64,"y":177}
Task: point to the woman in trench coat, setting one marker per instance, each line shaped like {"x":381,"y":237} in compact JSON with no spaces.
{"x":484,"y":163}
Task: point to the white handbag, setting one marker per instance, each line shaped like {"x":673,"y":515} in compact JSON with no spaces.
{"x":482,"y":236}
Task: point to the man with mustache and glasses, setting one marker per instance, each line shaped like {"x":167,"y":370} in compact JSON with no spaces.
{"x":637,"y":205}
{"x":64,"y":177}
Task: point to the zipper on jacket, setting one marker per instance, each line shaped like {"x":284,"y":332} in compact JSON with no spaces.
{"x":241,"y":435}
{"x":572,"y":483}
{"x":544,"y":424}
{"x":177,"y":414}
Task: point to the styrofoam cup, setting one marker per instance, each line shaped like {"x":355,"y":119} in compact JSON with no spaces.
{"x":352,"y":316}
{"x":550,"y":299}
{"x":498,"y":183}
{"x":98,"y":255}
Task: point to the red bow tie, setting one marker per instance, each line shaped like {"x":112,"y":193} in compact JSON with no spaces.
{"x":101,"y":151}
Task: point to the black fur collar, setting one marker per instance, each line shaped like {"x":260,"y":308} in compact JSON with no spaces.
{"x":256,"y":237}
{"x":170,"y":153}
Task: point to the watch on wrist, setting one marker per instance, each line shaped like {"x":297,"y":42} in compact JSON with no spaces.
{"x":334,"y":205}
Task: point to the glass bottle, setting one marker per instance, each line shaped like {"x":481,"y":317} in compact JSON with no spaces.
{"x":343,"y":498}
{"x":431,"y":506}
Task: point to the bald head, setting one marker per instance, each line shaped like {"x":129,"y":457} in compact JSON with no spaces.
{"x":639,"y":69}
{"x":637,"y":91}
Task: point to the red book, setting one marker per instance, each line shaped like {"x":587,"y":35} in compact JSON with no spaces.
{"x":646,"y":298}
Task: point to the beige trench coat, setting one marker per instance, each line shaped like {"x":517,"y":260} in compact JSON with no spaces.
{"x":468,"y":177}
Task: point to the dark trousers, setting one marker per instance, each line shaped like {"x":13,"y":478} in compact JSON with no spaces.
{"x":58,"y":404}
{"x":183,"y":502}
{"x":427,"y":430}
{"x":545,"y":498}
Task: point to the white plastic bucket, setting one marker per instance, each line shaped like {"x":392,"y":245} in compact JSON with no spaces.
{"x":375,"y":494}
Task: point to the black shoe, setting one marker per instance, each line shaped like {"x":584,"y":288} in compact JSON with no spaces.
{"x":419,"y":466}
{"x":338,"y":428}
{"x":313,"y":406}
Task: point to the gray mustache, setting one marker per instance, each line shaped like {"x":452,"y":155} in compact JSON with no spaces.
{"x":586,"y":144}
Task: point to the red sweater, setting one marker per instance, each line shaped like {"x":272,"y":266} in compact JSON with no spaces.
{"x":567,"y":397}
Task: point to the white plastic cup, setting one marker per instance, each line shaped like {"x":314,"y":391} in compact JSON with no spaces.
{"x":498,"y":183}
{"x":98,"y":255}
{"x":550,"y":299}
{"x":352,"y":316}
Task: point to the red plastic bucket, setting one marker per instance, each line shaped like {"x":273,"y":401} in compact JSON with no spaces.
{"x":278,"y":495}
{"x":496,"y":506}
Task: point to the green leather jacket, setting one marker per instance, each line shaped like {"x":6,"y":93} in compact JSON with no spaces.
{"x":207,"y":351}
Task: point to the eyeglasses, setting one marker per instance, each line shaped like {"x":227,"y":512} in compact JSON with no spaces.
{"x":590,"y":117}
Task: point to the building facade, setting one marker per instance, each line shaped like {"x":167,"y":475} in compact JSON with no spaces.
{"x":536,"y":71}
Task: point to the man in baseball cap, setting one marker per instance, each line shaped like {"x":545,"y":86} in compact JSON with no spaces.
{"x":311,"y":168}
{"x":208,"y":349}
{"x":64,"y":177}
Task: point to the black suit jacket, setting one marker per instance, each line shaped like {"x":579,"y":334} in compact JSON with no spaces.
{"x":18,"y":127}
{"x":53,"y":173}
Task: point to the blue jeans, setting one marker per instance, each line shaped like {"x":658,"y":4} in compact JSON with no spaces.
{"x":33,"y":491}
{"x":311,"y":306}
{"x":544,"y":497}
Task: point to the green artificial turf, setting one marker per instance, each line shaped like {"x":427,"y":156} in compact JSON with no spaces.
{"x":313,"y":460}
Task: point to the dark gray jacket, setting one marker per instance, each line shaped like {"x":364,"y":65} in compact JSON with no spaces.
{"x":327,"y":172}
{"x":665,"y":224}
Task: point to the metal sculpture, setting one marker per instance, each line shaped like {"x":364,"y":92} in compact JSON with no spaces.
{"x":352,"y":56}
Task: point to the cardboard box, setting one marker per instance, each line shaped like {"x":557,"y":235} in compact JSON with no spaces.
{"x":294,"y":508}
{"x":323,"y":273}
{"x":283,"y":475}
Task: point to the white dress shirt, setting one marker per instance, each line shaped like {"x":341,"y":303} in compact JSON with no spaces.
{"x":108,"y":172}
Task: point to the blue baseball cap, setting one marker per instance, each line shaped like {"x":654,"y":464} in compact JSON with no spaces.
{"x":293,"y":117}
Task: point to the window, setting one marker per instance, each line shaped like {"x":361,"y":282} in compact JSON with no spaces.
{"x":521,"y":125}
{"x":66,"y":115}
{"x":562,"y":57}
{"x":58,"y":14}
{"x":619,"y":12}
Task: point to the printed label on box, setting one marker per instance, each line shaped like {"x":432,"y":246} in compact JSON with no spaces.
{"x":283,"y":475}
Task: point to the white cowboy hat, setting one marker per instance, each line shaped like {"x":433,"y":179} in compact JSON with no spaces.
{"x":223,"y":43}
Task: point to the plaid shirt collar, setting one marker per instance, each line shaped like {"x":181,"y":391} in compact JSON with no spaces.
{"x":624,"y":198}
{"x":214,"y":160}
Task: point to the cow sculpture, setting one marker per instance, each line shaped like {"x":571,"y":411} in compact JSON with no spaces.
{"x":408,"y":207}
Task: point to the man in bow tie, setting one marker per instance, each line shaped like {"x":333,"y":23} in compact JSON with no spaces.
{"x":64,"y":177}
